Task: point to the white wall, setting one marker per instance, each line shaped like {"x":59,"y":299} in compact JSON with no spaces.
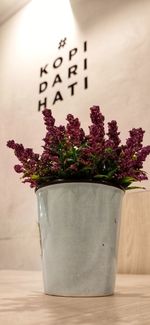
{"x":118,"y":51}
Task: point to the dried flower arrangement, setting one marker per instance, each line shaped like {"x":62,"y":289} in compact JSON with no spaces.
{"x":70,"y":154}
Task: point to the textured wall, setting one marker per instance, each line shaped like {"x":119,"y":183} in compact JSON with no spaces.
{"x":117,"y":34}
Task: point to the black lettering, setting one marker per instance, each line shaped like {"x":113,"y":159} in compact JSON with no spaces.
{"x":72,"y":70}
{"x":56,"y":80}
{"x":57,"y":63}
{"x":43,"y":70}
{"x":72,"y":53}
{"x":85,"y":64}
{"x":85,"y":82}
{"x":72,"y":88}
{"x":42,"y":87}
{"x":42,"y":104}
{"x":58,"y":96}
{"x":85,"y":46}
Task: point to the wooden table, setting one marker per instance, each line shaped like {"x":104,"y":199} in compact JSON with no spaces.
{"x":22,"y":302}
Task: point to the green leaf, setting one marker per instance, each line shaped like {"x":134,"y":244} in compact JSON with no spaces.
{"x":112,"y":172}
{"x":135,"y":188}
{"x":128,"y":180}
{"x":86,"y":168}
{"x":101,"y":176}
{"x":109,"y":175}
{"x":35,"y":177}
{"x":108,"y":150}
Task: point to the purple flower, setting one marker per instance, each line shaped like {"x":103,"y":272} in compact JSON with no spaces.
{"x":96,"y":138}
{"x":49,"y":120}
{"x":135,"y":139}
{"x":68,"y":152}
{"x":73,"y":167}
{"x":96,"y":116}
{"x":11,"y":144}
{"x":45,"y":157}
{"x":74,"y":132}
{"x":18,"y":168}
{"x":142,"y":154}
{"x":55,"y":167}
{"x":113,"y":134}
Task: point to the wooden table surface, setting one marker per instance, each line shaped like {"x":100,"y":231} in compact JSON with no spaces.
{"x":22,"y":302}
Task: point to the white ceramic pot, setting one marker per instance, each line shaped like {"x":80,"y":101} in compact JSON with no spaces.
{"x":79,"y":225}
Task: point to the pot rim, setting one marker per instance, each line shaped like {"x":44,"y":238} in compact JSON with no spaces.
{"x":61,"y":181}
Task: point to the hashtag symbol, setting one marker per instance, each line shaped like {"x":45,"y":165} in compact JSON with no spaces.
{"x":62,"y":43}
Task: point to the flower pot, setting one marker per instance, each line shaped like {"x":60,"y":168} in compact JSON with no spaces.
{"x":79,"y":226}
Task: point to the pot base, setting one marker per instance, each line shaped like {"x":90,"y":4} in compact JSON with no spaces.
{"x":80,"y":296}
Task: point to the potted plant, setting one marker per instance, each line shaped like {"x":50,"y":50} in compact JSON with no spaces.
{"x":80,"y":182}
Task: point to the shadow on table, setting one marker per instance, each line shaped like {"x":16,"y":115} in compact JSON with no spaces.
{"x":71,"y":310}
